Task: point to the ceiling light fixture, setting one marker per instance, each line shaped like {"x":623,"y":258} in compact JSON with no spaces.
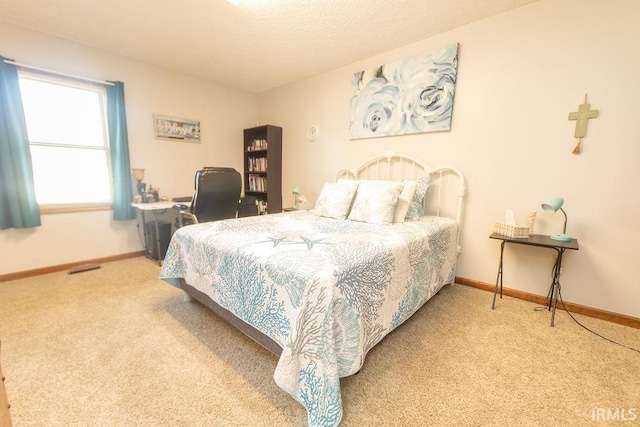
{"x":235,"y":2}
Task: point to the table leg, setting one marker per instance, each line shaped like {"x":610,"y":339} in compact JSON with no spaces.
{"x":158,"y":239}
{"x":499,"y":277}
{"x":145,"y":235}
{"x":556,"y":287}
{"x":550,"y":293}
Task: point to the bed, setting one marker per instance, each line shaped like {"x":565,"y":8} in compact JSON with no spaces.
{"x":319,"y":288}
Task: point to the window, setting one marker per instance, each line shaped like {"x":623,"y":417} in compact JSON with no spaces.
{"x":66,"y":126}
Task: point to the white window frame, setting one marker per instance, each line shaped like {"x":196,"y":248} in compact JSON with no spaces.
{"x":47,"y":208}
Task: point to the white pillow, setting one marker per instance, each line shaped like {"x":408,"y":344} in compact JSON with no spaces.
{"x":416,"y":207}
{"x":404,"y":201}
{"x":335,"y":199}
{"x":376,"y":201}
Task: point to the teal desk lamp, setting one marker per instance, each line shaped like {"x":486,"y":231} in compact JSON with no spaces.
{"x":551,"y":207}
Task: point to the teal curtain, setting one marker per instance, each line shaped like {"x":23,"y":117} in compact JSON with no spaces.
{"x":119,"y":146}
{"x":18,"y":205}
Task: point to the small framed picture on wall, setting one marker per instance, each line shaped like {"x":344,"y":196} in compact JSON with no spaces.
{"x":176,"y":129}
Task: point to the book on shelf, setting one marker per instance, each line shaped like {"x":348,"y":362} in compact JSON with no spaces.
{"x":257,"y":145}
{"x":257,"y":164}
{"x":257,"y":183}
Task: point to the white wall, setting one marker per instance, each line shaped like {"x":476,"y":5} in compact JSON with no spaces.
{"x":169,"y":165}
{"x":519,"y":75}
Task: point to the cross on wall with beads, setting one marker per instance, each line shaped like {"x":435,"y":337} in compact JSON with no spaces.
{"x":581,"y":116}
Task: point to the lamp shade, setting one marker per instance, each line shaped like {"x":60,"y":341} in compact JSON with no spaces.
{"x":138,"y":174}
{"x":553,"y":205}
{"x":296,"y":190}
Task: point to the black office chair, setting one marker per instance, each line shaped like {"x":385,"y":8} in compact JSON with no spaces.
{"x":216,"y":196}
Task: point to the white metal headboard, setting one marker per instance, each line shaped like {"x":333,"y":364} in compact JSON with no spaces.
{"x":445,"y":196}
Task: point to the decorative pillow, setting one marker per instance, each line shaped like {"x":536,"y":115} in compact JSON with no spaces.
{"x":376,"y":201}
{"x":404,"y":200}
{"x":416,"y":207}
{"x":335,"y":199}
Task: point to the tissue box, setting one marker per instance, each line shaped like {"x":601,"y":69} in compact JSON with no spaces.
{"x":512,"y":231}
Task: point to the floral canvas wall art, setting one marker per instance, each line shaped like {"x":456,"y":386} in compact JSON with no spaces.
{"x":414,"y":95}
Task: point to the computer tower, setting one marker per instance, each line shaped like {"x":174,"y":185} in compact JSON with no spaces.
{"x":151,"y":243}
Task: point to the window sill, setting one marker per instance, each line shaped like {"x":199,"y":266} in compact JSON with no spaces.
{"x":60,"y":209}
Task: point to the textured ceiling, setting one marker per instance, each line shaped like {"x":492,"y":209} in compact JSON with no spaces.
{"x":260,"y":45}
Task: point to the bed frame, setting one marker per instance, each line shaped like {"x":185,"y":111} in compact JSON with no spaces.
{"x":445,"y":197}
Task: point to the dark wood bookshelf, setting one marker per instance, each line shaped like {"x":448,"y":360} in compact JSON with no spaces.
{"x":263,"y":165}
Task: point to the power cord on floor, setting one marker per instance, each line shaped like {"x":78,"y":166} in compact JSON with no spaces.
{"x":593,"y":332}
{"x":549,"y":296}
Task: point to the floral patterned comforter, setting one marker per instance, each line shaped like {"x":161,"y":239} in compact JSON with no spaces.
{"x":326,"y":290}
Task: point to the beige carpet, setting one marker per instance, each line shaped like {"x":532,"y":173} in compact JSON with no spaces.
{"x":117,"y":346}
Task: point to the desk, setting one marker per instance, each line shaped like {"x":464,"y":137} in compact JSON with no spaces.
{"x":541,"y":241}
{"x":156,"y":208}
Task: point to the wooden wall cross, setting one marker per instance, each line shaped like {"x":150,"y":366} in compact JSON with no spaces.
{"x":581,"y":116}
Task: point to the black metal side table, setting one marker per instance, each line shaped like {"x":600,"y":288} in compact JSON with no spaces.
{"x":542,"y":241}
